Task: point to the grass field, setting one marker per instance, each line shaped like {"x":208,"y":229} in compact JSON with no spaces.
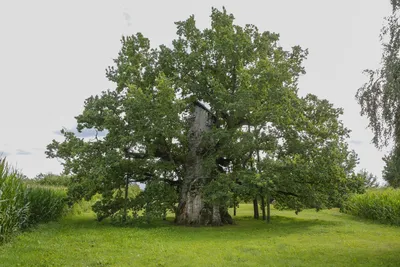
{"x":326,"y":238}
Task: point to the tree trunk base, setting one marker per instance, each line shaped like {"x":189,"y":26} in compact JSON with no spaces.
{"x":208,"y":216}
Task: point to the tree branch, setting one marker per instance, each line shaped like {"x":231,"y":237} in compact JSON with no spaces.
{"x":287,"y":193}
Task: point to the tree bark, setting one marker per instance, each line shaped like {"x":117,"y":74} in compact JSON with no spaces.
{"x":216,"y":216}
{"x":268,"y":208}
{"x":192,"y":210}
{"x":263,"y":208}
{"x":255,"y":206}
{"x":126,"y":198}
{"x":234,"y":207}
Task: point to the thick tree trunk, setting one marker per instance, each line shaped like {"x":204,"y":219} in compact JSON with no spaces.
{"x":192,"y":209}
{"x":255,"y":206}
{"x":216,"y":216}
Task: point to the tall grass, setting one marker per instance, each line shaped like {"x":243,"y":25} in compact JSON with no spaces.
{"x":13,"y":208}
{"x":382,"y":205}
{"x":45,"y":204}
{"x":24,"y":205}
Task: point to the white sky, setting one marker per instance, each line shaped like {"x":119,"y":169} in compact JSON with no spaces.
{"x":53,"y":55}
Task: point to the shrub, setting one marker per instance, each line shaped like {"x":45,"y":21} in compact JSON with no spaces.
{"x":382,"y":205}
{"x":13,"y":208}
{"x":45,"y":204}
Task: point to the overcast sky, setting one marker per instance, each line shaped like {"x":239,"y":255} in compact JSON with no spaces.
{"x":53,"y":56}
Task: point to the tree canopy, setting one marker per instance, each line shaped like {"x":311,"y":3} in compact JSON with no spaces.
{"x":258,"y":138}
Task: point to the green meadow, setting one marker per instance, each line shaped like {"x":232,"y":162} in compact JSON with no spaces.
{"x":325,"y":238}
{"x":194,"y":123}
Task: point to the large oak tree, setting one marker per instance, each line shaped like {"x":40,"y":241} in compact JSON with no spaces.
{"x":259,"y":138}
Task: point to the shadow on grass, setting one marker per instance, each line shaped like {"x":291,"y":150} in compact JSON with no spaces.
{"x":89,"y":221}
{"x":244,"y":227}
{"x":282,"y":224}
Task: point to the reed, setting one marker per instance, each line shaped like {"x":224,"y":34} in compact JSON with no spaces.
{"x":382,"y":205}
{"x":14,"y":210}
{"x":45,"y":204}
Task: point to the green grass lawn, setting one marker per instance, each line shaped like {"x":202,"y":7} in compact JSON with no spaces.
{"x":326,"y":238}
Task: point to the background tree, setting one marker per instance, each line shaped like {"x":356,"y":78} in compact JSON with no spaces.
{"x":380,"y":96}
{"x":391,"y":171}
{"x":50,"y":179}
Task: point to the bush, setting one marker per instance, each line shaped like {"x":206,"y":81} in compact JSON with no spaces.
{"x":382,"y":205}
{"x":13,"y":208}
{"x":45,"y":204}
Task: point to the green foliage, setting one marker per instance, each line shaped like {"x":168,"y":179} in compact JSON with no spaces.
{"x":382,"y":205}
{"x":391,"y":171}
{"x":112,"y":204}
{"x":83,"y":206}
{"x":312,"y":167}
{"x":50,"y":179}
{"x":379,"y":96}
{"x":45,"y":204}
{"x":250,"y":83}
{"x":13,"y":209}
{"x":370,"y":180}
{"x":154,"y":201}
{"x":219,"y":191}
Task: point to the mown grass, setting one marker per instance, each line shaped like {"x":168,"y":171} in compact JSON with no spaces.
{"x":326,"y":238}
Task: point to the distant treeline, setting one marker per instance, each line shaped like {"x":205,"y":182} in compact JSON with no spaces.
{"x":49,"y":179}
